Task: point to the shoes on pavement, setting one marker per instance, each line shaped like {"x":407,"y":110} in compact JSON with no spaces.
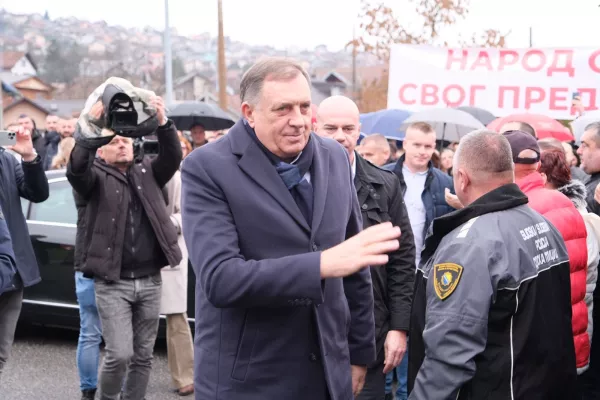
{"x":89,"y":394}
{"x":186,"y":390}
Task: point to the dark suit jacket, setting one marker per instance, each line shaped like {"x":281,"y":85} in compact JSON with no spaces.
{"x":380,"y":199}
{"x":257,"y":267}
{"x":21,"y":180}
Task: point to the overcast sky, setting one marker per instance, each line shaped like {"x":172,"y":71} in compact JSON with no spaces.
{"x":307,"y":23}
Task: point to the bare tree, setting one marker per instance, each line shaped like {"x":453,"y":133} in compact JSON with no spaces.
{"x":382,"y":28}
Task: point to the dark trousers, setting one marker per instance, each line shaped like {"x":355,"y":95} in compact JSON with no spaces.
{"x":10,"y":309}
{"x":129,"y":312}
{"x":374,"y":388}
{"x":589,"y":381}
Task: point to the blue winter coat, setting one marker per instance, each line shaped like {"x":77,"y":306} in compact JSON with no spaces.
{"x":434,"y":194}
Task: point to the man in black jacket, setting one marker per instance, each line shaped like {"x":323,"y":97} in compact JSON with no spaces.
{"x":380,"y":198}
{"x":18,"y":179}
{"x":590,"y":164}
{"x":125,"y":236}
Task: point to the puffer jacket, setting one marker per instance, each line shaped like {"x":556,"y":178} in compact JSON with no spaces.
{"x":576,"y":192}
{"x":561,"y":212}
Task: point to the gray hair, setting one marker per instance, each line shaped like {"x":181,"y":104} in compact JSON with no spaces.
{"x":485,"y":154}
{"x":595,"y":126}
{"x":276,"y":68}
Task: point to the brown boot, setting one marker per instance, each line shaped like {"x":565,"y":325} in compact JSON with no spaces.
{"x":186,"y":390}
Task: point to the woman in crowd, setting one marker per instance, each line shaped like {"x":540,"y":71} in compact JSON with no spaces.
{"x":180,"y":349}
{"x":61,"y":158}
{"x":446,"y":160}
{"x":557,"y":175}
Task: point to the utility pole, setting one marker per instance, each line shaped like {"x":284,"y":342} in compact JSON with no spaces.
{"x":168,"y":59}
{"x":221,"y":53}
{"x":531,"y":36}
{"x":1,"y":96}
{"x":354,"y":91}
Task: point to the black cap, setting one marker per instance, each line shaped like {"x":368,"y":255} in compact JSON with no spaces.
{"x":520,"y":141}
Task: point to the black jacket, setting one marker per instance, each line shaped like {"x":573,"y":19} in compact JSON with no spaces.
{"x":102,"y":197}
{"x":590,"y":185}
{"x":8,"y":267}
{"x":27,"y":180}
{"x":51,"y":140}
{"x":39,"y":144}
{"x":381,"y":200}
{"x":491,"y":316}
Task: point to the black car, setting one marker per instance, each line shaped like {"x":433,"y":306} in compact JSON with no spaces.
{"x":52,"y":227}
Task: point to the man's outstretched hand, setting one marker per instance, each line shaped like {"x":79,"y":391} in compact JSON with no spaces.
{"x":367,"y":248}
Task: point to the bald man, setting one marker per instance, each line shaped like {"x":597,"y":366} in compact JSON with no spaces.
{"x":375,"y":148}
{"x":491,"y":317}
{"x":380,"y":198}
{"x":518,"y":126}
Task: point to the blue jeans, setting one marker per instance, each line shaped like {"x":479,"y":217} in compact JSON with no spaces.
{"x":90,"y":333}
{"x":401,"y":372}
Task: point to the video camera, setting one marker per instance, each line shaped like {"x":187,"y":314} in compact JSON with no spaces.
{"x":144,"y":147}
{"x":126,"y":116}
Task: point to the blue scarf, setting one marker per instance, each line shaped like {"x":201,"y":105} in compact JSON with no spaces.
{"x":292,"y":174}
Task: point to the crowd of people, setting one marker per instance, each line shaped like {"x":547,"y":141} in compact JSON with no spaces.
{"x":327,"y":267}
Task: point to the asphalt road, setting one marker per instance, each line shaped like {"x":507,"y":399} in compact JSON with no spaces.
{"x":42,"y":367}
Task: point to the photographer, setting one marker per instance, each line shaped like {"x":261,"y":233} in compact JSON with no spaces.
{"x":25,"y":179}
{"x":125,"y":236}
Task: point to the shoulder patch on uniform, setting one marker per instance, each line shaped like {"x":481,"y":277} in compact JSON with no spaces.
{"x":446,"y":278}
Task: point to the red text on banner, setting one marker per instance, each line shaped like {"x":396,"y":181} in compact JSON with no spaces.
{"x":430,"y":94}
{"x":534,"y":60}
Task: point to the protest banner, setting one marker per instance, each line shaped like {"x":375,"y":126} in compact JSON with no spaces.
{"x":502,"y":81}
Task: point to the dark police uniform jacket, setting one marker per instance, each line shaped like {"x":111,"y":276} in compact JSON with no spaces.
{"x":492,"y":312}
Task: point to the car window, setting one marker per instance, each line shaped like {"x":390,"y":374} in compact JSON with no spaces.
{"x":24,"y":206}
{"x":60,"y":206}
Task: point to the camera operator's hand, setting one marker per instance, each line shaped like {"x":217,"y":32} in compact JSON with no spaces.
{"x":158,"y":103}
{"x":24,"y":146}
{"x":96,"y":110}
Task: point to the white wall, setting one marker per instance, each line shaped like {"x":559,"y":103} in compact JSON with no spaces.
{"x":23,"y":67}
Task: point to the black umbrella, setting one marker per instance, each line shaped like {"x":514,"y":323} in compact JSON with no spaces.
{"x":188,"y":114}
{"x":484,"y":116}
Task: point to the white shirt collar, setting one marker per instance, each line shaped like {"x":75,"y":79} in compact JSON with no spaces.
{"x":353,"y":166}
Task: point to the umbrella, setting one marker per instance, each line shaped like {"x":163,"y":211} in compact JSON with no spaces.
{"x":582,"y":122}
{"x":544,"y":126}
{"x":212,"y":118}
{"x":384,"y":122}
{"x":483,"y":116}
{"x":450,"y":124}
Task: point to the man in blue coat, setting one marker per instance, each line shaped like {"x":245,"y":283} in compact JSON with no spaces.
{"x":25,"y":178}
{"x":284,"y":303}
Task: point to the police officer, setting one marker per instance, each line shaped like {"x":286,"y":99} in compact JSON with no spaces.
{"x":492,"y":313}
{"x":381,"y":200}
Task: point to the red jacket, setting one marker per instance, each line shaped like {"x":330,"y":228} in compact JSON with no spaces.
{"x":561,"y":212}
